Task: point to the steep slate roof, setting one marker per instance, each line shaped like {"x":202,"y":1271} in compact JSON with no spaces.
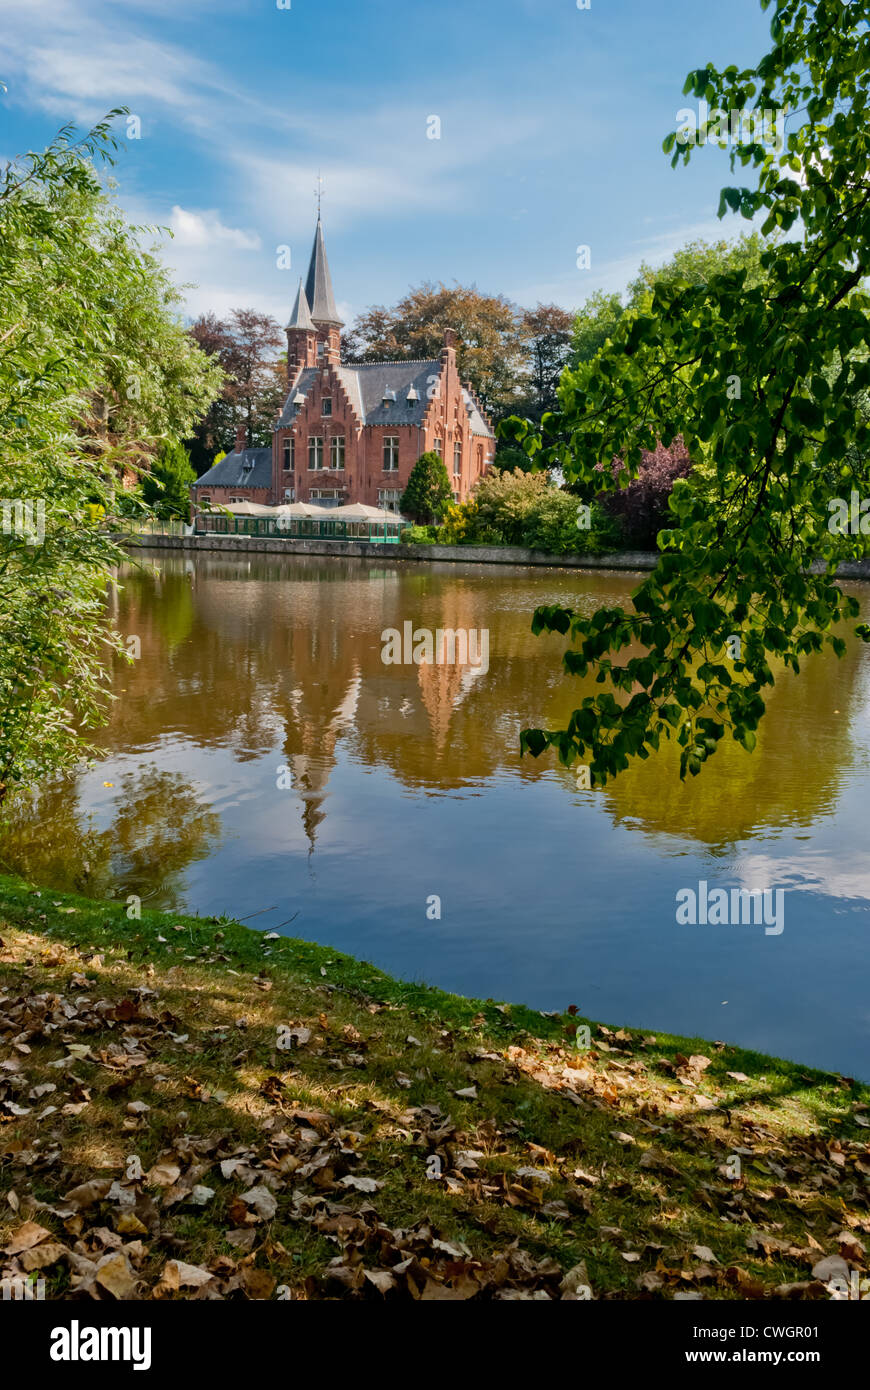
{"x":250,"y":468}
{"x":478,"y":424}
{"x":318,"y":286}
{"x":307,"y":377}
{"x":366,"y":384}
{"x":300,"y":316}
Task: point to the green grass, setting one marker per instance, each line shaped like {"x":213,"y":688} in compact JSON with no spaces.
{"x":540,"y":1104}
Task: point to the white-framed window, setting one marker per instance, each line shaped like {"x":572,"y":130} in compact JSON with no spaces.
{"x":326,"y":405}
{"x":457,"y":459}
{"x":325,"y":497}
{"x":289,"y":454}
{"x":388,"y":498}
{"x":315,"y":453}
{"x":456,"y":496}
{"x":321,"y":347}
{"x":204,"y":501}
{"x":391,"y":453}
{"x":439,"y":447}
{"x":289,"y":494}
{"x":336,"y":452}
{"x":236,"y":499}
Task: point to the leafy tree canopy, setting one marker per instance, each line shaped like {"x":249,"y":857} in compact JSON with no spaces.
{"x":693,"y":264}
{"x":546,"y":333}
{"x":428,"y":492}
{"x":166,"y":485}
{"x":760,"y":379}
{"x":95,"y":367}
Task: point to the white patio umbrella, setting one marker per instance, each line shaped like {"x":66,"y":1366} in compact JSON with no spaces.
{"x":302,"y":509}
{"x":360,"y":511}
{"x":249,"y":508}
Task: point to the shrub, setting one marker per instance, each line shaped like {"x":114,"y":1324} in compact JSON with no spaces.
{"x":462,"y":526}
{"x":428,"y":492}
{"x":642,"y":506}
{"x":552,"y":526}
{"x":526,"y":510}
{"x":505,"y":502}
{"x":419,"y":535}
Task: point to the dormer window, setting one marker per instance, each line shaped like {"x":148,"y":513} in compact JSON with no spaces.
{"x":389,"y":396}
{"x":413,"y":394}
{"x":326,"y":405}
{"x":298,"y":399}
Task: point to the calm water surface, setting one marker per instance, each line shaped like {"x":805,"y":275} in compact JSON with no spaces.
{"x":402,"y":782}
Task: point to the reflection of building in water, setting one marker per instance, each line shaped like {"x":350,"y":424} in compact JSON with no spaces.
{"x":313,"y":742}
{"x":443,"y":687}
{"x":443,"y":684}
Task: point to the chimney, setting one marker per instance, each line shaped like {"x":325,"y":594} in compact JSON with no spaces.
{"x":448,"y":351}
{"x":332,"y":348}
{"x":241,"y":438}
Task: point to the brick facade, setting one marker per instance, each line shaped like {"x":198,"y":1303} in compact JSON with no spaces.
{"x":354,"y":431}
{"x":376,"y":458}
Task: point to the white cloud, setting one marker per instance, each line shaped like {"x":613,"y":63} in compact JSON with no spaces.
{"x":207,"y":230}
{"x":814,"y":872}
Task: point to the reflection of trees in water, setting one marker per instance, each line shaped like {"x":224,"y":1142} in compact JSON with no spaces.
{"x":255,"y":653}
{"x":158,"y":830}
{"x":804,"y":751}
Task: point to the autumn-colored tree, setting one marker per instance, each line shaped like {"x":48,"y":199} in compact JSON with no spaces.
{"x":489,"y":352}
{"x":245,"y":344}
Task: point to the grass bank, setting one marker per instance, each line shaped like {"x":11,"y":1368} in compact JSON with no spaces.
{"x":189,"y":1109}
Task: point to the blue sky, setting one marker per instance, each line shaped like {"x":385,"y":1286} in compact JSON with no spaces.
{"x":551,"y":126}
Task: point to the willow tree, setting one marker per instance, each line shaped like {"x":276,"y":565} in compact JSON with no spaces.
{"x":760,"y":378}
{"x":95,"y":367}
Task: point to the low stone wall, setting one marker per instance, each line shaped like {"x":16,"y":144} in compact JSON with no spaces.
{"x":368,"y":550}
{"x":461,"y":554}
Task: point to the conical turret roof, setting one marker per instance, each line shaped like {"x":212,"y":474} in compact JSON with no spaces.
{"x":301,"y":314}
{"x":318,"y":286}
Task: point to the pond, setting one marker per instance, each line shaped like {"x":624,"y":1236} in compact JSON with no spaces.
{"x":264,"y":761}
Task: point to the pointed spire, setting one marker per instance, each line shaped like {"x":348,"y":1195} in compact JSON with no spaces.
{"x":318,"y":286}
{"x":301,"y":315}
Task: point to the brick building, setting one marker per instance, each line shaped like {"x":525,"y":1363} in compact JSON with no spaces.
{"x":352,"y":431}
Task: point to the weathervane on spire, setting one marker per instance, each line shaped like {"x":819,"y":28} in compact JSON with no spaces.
{"x":318,"y":192}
